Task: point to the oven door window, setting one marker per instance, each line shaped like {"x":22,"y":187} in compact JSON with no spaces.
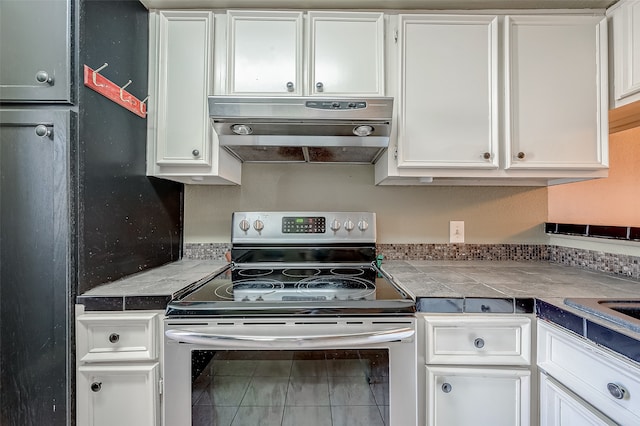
{"x":318,"y":387}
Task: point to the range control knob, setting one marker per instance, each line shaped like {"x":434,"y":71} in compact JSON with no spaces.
{"x":363,"y":225}
{"x":335,"y":225}
{"x":258,"y":225}
{"x":349,"y":225}
{"x":244,"y":225}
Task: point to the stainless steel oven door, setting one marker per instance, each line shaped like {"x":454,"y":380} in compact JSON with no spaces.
{"x":385,"y":349}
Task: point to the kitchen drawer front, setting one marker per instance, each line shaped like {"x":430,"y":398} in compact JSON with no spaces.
{"x":478,"y":340}
{"x":108,"y":337}
{"x":590,"y":372}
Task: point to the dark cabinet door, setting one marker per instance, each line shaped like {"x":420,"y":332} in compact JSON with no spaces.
{"x":35,"y":248}
{"x":35,"y":46}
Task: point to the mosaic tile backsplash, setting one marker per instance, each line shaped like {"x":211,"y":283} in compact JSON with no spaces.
{"x":614,"y":264}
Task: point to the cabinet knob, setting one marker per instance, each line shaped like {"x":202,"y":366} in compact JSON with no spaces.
{"x":486,"y":156}
{"x":319,"y":86}
{"x":114,"y":337}
{"x":290,"y":86}
{"x":520,"y":155}
{"x":96,"y":386}
{"x":479,"y":343}
{"x":446,"y":387}
{"x":195,"y":153}
{"x":43,"y":131}
{"x":616,"y":391}
{"x":44,"y":77}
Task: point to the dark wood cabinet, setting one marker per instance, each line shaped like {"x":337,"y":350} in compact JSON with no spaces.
{"x":76,"y":207}
{"x":35,"y":46}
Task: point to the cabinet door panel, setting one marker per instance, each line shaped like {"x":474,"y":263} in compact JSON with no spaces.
{"x":183,"y":113}
{"x":448,"y":103}
{"x":626,"y":38}
{"x":265,"y":53}
{"x":556,"y":113}
{"x":560,"y":407}
{"x":588,"y":371}
{"x":34,"y":259}
{"x":35,"y":37}
{"x":111,"y":395}
{"x":476,"y":396}
{"x":346,"y":53}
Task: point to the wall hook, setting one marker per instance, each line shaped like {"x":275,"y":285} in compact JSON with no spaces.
{"x":96,"y":72}
{"x":143,"y":102}
{"x":121,"y":89}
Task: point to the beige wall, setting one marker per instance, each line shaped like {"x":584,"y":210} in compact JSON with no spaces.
{"x":611,"y":201}
{"x":405,"y":214}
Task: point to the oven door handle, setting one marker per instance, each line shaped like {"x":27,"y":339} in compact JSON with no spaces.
{"x":282,"y":339}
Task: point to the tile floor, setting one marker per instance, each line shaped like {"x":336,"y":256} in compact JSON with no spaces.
{"x":291,"y":388}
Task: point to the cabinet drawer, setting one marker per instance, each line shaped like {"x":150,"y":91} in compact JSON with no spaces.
{"x":117,"y":337}
{"x":594,"y":374}
{"x":480,"y":340}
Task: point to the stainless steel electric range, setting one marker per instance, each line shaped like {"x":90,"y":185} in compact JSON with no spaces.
{"x":302,"y":288}
{"x":298,"y":263}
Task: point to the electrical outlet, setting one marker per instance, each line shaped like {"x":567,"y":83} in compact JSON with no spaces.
{"x":456,"y":231}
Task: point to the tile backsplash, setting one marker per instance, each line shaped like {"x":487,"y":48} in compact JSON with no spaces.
{"x":614,"y":264}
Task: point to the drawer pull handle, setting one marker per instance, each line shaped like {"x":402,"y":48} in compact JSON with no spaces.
{"x":616,"y":391}
{"x":446,"y":387}
{"x":114,"y":337}
{"x":479,"y":343}
{"x":96,"y":386}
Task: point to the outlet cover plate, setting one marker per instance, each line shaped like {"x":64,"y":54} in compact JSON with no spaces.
{"x":456,"y":231}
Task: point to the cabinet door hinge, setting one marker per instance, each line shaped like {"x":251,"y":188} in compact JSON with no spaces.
{"x":395,"y":153}
{"x":160,"y":386}
{"x":395,"y":36}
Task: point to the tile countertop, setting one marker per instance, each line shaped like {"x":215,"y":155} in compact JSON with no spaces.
{"x":439,"y":286}
{"x":506,"y":279}
{"x":150,"y":289}
{"x":465,"y":285}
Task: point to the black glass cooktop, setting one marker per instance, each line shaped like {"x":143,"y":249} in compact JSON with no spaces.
{"x":323,"y":289}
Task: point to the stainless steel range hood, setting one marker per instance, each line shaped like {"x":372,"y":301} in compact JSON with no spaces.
{"x":302,"y":129}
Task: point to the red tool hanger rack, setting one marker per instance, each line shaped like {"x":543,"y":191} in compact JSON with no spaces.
{"x":110,"y":90}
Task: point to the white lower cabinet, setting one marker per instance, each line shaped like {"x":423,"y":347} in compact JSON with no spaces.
{"x":118,"y":373}
{"x":109,"y":395}
{"x":607,"y":383}
{"x":477,"y":396}
{"x":561,"y":407}
{"x":477,"y":369}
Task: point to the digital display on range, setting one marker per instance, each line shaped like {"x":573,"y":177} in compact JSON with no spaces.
{"x":303,"y":225}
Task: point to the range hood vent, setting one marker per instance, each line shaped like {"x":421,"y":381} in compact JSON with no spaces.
{"x":302,"y":129}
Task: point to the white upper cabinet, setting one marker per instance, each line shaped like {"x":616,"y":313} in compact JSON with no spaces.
{"x":448,"y":100}
{"x":625,"y":18}
{"x":265,"y":53}
{"x":181,"y":143}
{"x":556,"y":113}
{"x":346,"y":54}
{"x":270,"y":53}
{"x":497,"y":99}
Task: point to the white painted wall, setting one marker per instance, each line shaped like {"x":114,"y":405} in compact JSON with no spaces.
{"x":418,"y":214}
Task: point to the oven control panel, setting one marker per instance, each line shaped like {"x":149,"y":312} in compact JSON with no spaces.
{"x":303,"y":227}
